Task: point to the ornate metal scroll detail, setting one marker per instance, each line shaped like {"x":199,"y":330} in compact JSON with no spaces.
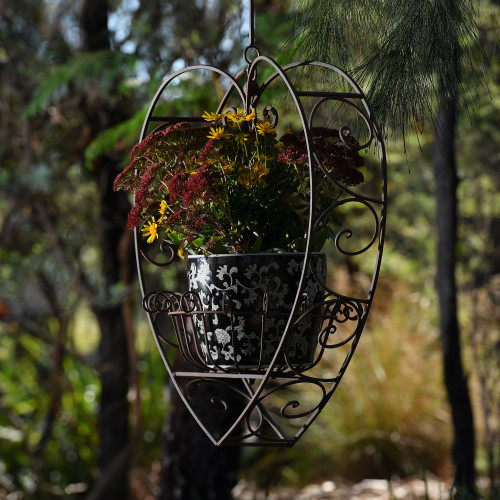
{"x":168,"y":251}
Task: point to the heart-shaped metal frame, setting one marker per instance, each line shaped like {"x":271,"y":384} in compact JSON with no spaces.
{"x":273,"y":405}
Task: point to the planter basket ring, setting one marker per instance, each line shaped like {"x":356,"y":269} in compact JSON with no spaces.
{"x":259,"y":342}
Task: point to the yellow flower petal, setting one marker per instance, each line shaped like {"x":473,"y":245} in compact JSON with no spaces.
{"x":251,"y":116}
{"x":216,"y":133}
{"x":265,"y":128}
{"x":163,"y":207}
{"x":228,"y":168}
{"x":150,"y":230}
{"x":211,"y":117}
{"x":236,"y":116}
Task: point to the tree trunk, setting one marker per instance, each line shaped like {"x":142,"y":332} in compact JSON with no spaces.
{"x":455,"y":381}
{"x":114,"y":369}
{"x":192,"y":467}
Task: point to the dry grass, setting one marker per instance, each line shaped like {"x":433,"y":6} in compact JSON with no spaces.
{"x":389,"y":416}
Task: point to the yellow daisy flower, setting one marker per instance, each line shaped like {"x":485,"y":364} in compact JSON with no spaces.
{"x":228,"y":168}
{"x":236,"y":116}
{"x":211,"y":117}
{"x":265,"y":128}
{"x":150,"y":230}
{"x":260,"y":169}
{"x":216,"y":133}
{"x":241,"y":138}
{"x":251,"y":116}
{"x":244,"y":178}
{"x":163,"y":208}
{"x":263,"y":157}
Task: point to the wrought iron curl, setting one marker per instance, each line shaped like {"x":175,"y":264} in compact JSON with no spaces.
{"x":348,"y":233}
{"x":338,"y":313}
{"x":284,"y":410}
{"x":345,"y":133}
{"x":227,"y":122}
{"x":166,"y":249}
{"x":189,"y":302}
{"x":164,"y":301}
{"x":259,"y":420}
{"x":269,"y":112}
{"x":217,"y":404}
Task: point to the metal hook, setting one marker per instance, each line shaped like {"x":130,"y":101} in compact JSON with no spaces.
{"x":251,"y":32}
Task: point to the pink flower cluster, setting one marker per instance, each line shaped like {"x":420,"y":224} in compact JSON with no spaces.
{"x":240,"y":190}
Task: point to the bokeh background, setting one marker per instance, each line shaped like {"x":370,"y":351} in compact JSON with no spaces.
{"x":84,"y":397}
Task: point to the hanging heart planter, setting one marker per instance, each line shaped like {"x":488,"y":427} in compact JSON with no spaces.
{"x":285,"y":178}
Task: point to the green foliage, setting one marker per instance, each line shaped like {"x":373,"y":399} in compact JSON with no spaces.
{"x":95,"y":73}
{"x":123,"y":135}
{"x":49,"y":410}
{"x":153,"y":405}
{"x":273,"y":34}
{"x":46,"y":411}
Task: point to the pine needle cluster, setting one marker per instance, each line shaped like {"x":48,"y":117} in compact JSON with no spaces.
{"x":400,"y":52}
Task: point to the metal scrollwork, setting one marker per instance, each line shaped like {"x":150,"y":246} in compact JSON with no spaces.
{"x":348,"y":233}
{"x":270,"y":114}
{"x":339,"y":313}
{"x":166,"y":249}
{"x":345,"y":131}
{"x":160,"y":302}
{"x":205,"y":398}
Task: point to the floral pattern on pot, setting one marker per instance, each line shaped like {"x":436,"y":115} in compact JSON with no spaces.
{"x":246,"y":301}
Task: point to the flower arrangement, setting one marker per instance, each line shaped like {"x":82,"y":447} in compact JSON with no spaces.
{"x":232,"y":186}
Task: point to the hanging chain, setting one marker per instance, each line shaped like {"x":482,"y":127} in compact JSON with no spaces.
{"x":251,"y":87}
{"x":251,"y":22}
{"x":251,"y":32}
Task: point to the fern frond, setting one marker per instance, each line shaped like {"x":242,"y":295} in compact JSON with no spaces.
{"x":101,"y":68}
{"x":124,"y":133}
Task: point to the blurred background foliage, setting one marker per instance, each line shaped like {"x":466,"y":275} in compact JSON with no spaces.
{"x":389,"y":417}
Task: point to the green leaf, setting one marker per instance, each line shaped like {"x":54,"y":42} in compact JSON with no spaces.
{"x":174,"y":238}
{"x":256,"y":246}
{"x":198,"y":242}
{"x":126,"y":132}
